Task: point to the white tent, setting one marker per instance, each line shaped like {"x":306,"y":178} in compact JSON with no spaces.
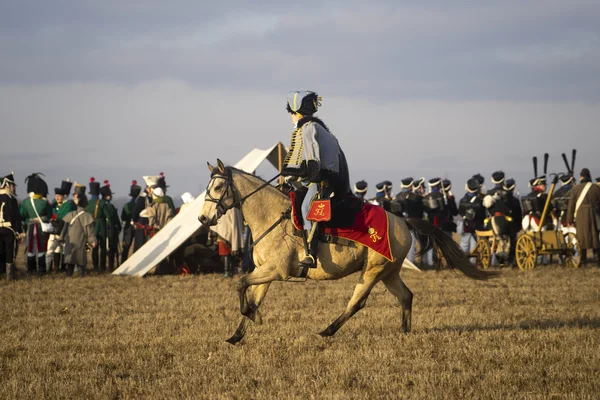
{"x":186,"y":222}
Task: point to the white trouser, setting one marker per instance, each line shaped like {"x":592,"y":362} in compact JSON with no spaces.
{"x":312,"y":190}
{"x":53,"y":247}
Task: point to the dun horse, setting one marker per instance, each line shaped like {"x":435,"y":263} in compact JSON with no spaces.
{"x":278,"y":253}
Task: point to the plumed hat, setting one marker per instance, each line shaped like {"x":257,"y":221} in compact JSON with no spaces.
{"x":304,"y":102}
{"x":79,"y":189}
{"x":105,"y":190}
{"x":473,"y":185}
{"x":498,"y":178}
{"x":8,"y":179}
{"x":417,"y":183}
{"x":406,"y":182}
{"x":446,"y":185}
{"x":509,"y":185}
{"x":134,"y":189}
{"x":35,"y":184}
{"x":94,"y":187}
{"x":434,"y":182}
{"x":361,"y":187}
{"x":479,"y":178}
{"x":65,"y":188}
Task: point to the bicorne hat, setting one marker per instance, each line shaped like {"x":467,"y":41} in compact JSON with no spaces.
{"x":498,"y":177}
{"x":304,"y":102}
{"x":361,"y":187}
{"x":473,"y":185}
{"x":406,"y":182}
{"x":509,"y":185}
{"x":8,"y":179}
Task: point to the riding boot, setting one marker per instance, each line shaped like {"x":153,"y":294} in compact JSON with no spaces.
{"x":10,"y":272}
{"x":31,"y":264}
{"x":311,"y":248}
{"x":583,"y":256}
{"x":81,"y":269}
{"x":41,"y":265}
{"x":69,"y":269}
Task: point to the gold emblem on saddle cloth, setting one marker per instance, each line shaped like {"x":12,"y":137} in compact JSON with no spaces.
{"x":294,"y":155}
{"x":374,"y":235}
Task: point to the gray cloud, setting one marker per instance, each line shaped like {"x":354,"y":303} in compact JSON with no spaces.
{"x":527,"y":50}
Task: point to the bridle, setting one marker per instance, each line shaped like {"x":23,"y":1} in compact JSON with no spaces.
{"x":238,"y":200}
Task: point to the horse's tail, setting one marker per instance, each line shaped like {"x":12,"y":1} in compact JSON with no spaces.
{"x":429,"y":235}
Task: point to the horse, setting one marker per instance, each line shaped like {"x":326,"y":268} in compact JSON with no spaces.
{"x":278,"y":251}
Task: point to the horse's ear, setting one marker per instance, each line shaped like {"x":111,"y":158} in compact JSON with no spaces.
{"x":210,"y":167}
{"x":220,"y":165}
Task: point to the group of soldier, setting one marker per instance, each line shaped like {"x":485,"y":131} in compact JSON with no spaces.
{"x":59,"y":234}
{"x":498,"y":209}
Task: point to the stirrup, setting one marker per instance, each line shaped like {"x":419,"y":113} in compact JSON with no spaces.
{"x":309,"y":261}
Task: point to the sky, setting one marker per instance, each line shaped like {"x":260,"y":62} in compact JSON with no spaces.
{"x":118,"y":90}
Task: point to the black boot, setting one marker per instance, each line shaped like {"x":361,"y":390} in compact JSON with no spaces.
{"x":41,"y":264}
{"x":57,"y":262}
{"x":311,"y":249}
{"x":31,"y":264}
{"x":69,"y":269}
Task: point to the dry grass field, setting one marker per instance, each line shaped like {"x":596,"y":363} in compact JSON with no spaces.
{"x":523,"y":335}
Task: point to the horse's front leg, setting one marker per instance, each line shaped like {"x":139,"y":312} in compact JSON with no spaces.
{"x":259,"y":276}
{"x":256,"y":297}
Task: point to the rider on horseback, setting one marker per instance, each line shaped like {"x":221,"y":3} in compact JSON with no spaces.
{"x":315,"y":163}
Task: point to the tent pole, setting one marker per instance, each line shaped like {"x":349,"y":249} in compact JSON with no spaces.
{"x":280,"y":161}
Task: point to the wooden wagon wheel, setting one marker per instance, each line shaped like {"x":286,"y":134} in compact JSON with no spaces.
{"x":483,"y":252}
{"x":526,"y":253}
{"x":573,"y":256}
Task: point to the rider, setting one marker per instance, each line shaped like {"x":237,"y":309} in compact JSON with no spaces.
{"x":314,"y":161}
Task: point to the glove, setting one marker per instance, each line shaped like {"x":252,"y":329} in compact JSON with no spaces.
{"x":290,"y":178}
{"x":312,"y":171}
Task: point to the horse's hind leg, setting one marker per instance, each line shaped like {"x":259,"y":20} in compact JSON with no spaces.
{"x":256,"y":297}
{"x":368,"y":279}
{"x":397,"y":287}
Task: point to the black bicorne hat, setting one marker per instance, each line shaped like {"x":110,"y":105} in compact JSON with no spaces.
{"x":509,"y":185}
{"x":446,"y":185}
{"x":406,"y":182}
{"x":105,"y":190}
{"x":473,"y":185}
{"x":361,"y":187}
{"x":94,"y":187}
{"x":435,"y":181}
{"x":134,"y":190}
{"x":380,"y":187}
{"x":5,"y":180}
{"x":388,"y":185}
{"x":417,"y":183}
{"x":35,"y":184}
{"x":566,"y":179}
{"x":479,"y":178}
{"x":498,"y":177}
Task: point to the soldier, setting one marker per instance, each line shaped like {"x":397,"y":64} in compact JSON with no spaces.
{"x":78,"y":233}
{"x":143,"y":201}
{"x":560,"y":203}
{"x":450,"y":210}
{"x":471,"y":209}
{"x":60,"y":207}
{"x":10,"y":225}
{"x":381,"y":199}
{"x":583,"y":212}
{"x":315,"y":157}
{"x":127,"y":220}
{"x":498,"y":190}
{"x":113,"y":226}
{"x":399,"y":202}
{"x":534,"y":202}
{"x":419,"y":186}
{"x":160,"y":212}
{"x":96,"y":209}
{"x":480,"y":180}
{"x":36,"y":213}
{"x":162,"y":183}
{"x":360,"y":189}
{"x":387,"y":186}
{"x":516,"y":213}
{"x":434,"y":202}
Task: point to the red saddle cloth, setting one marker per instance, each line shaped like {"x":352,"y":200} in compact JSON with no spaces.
{"x":370,"y":229}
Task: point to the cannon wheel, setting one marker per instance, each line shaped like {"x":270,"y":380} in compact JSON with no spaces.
{"x":526,"y":253}
{"x":573,"y":256}
{"x":483,"y":252}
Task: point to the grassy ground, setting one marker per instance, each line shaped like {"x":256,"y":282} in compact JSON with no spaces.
{"x":522,"y":335}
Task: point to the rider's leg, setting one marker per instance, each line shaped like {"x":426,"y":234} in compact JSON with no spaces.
{"x":311,"y":248}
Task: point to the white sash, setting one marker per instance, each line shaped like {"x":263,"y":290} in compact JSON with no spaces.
{"x":582,"y":197}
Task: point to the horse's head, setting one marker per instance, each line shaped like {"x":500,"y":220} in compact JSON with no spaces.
{"x":220,"y":194}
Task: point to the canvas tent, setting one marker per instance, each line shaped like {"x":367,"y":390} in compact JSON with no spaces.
{"x":180,"y":228}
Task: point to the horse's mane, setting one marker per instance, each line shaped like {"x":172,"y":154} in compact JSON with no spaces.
{"x":252,"y":176}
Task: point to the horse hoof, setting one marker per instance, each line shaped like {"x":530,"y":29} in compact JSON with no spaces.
{"x":234,"y":339}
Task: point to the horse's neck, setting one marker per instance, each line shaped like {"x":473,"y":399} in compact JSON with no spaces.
{"x":261,"y":209}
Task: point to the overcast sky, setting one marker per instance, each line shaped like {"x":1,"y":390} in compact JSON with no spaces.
{"x":421,"y":88}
